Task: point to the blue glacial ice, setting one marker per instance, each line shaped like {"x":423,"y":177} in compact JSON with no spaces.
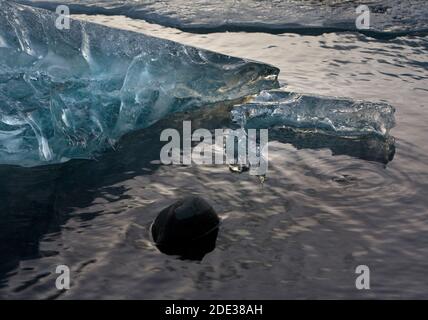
{"x":329,"y":115}
{"x":71,"y":93}
{"x":388,"y":17}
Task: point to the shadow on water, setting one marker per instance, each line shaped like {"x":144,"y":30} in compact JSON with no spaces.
{"x":37,"y":201}
{"x":370,"y":147}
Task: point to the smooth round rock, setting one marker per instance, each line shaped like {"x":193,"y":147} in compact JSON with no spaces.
{"x":187,"y":228}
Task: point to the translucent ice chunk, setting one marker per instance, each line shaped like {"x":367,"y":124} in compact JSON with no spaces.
{"x":337,"y":116}
{"x":71,"y":93}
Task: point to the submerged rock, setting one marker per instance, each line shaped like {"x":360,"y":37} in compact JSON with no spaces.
{"x":188,"y":228}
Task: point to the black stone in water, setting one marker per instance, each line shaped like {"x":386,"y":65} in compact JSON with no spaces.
{"x":188,"y":228}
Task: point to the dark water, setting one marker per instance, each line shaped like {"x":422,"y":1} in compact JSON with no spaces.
{"x":327,"y":204}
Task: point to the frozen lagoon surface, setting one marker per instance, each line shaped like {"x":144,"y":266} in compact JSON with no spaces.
{"x":326,"y":206}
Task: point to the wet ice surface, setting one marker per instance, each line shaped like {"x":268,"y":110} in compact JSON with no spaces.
{"x":388,"y":17}
{"x":322,"y":210}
